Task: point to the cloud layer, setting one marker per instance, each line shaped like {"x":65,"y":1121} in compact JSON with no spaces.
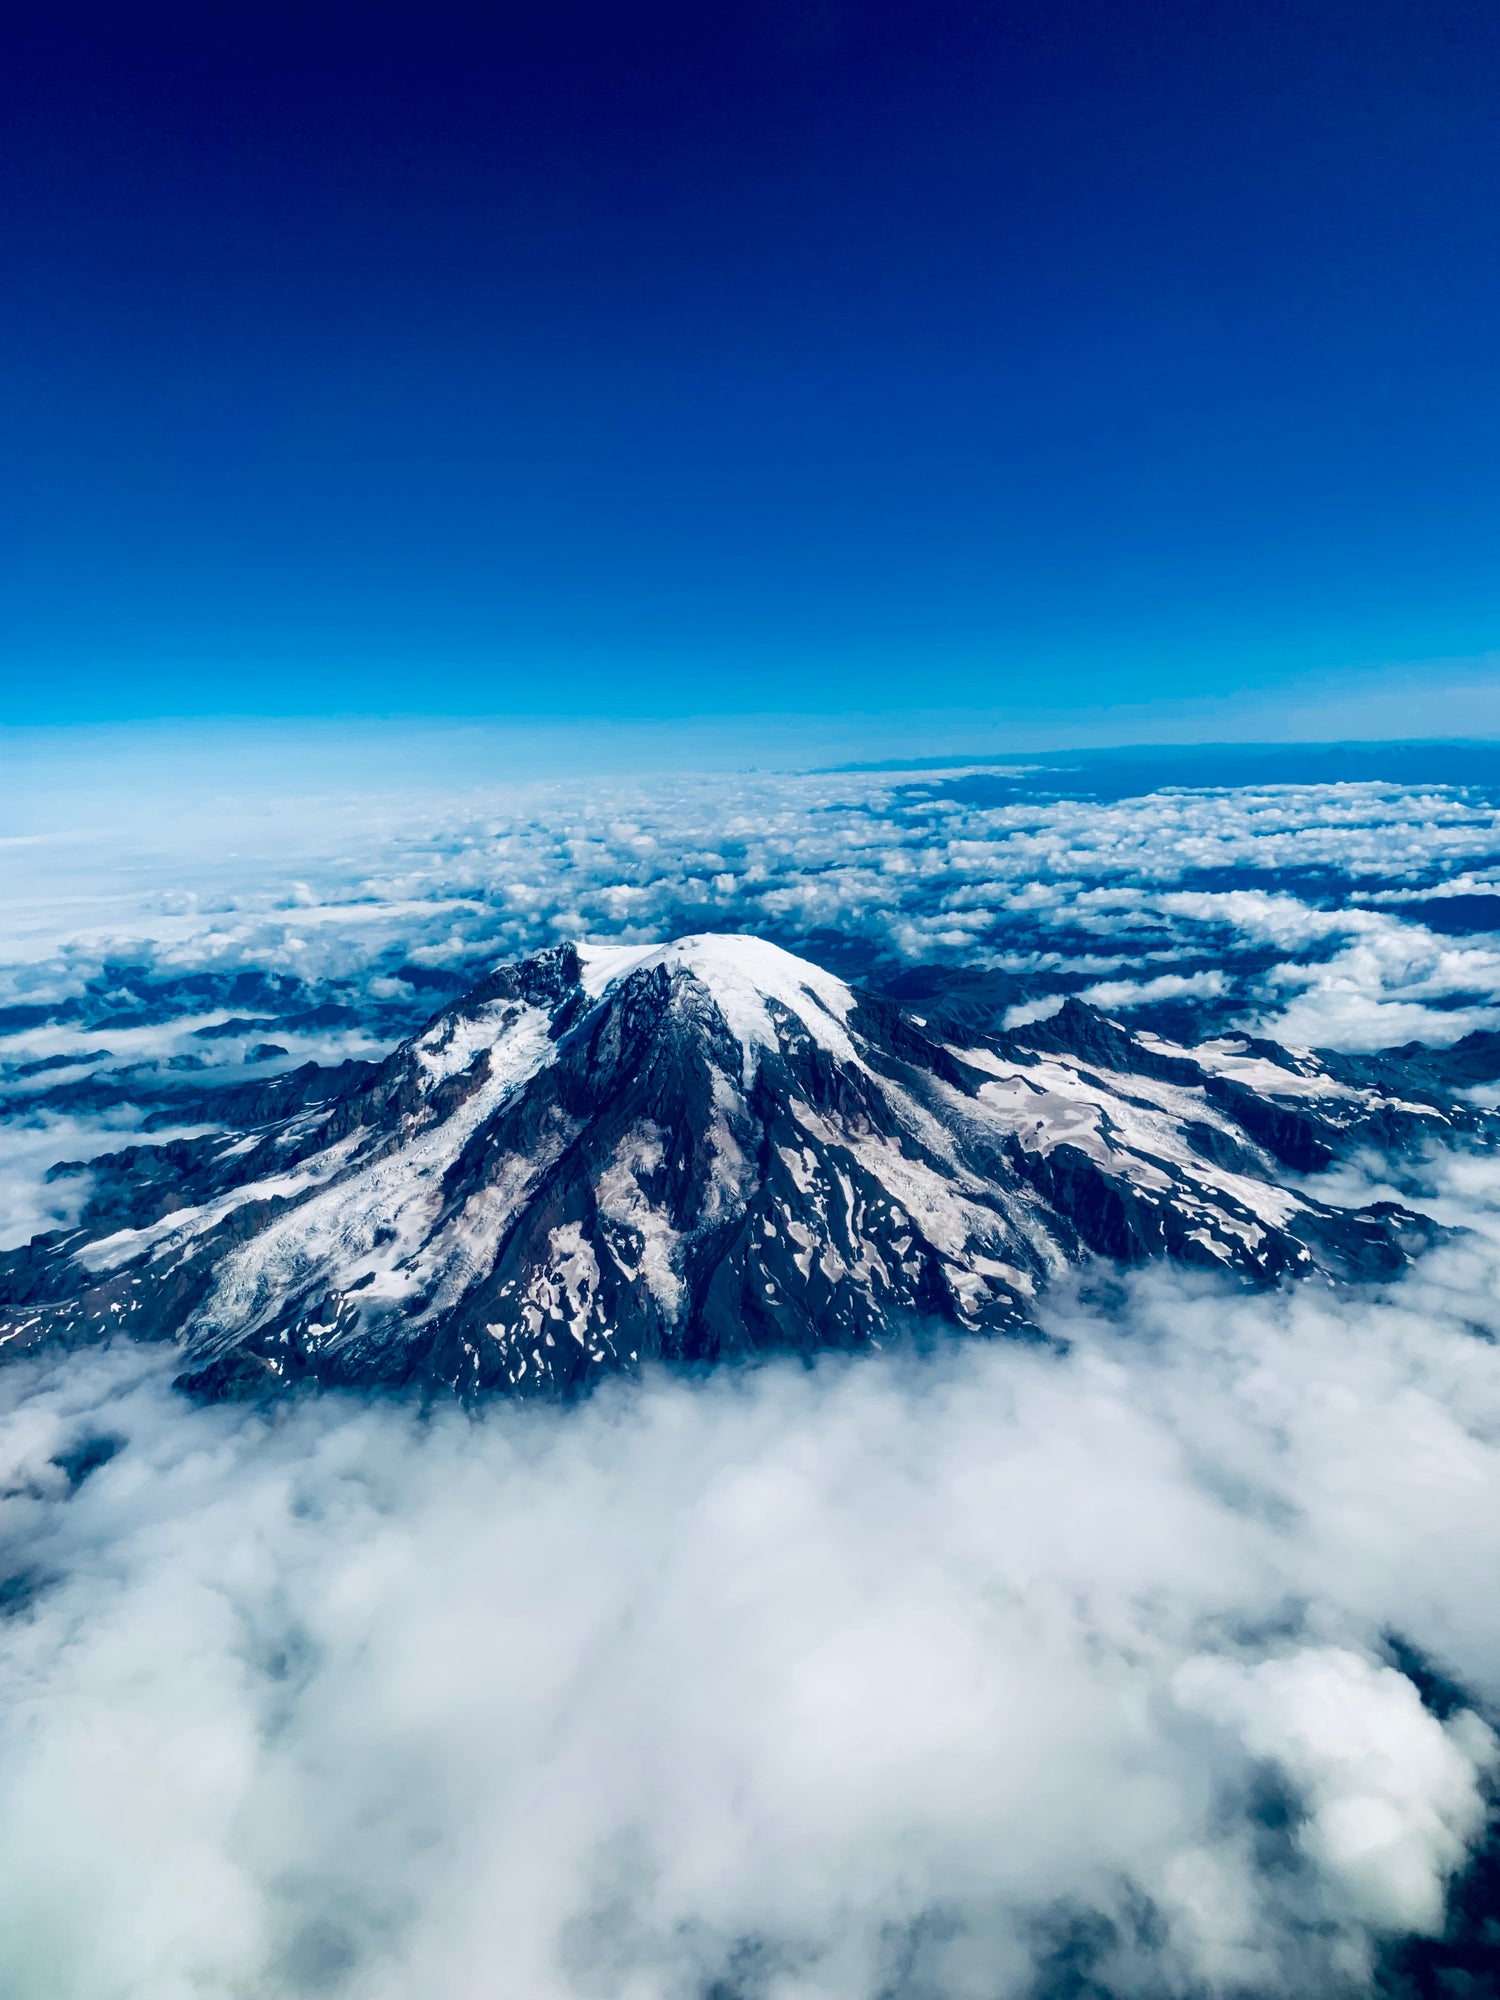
{"x":920,"y":1676}
{"x":1313,"y":906}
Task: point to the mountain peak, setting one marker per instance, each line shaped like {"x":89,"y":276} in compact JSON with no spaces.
{"x":687,"y":1151}
{"x":742,"y":975}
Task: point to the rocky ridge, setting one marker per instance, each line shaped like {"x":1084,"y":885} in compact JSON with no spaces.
{"x":604,"y":1156}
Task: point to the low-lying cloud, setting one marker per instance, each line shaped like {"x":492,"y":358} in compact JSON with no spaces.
{"x":973,"y":1673}
{"x":1286,"y":898}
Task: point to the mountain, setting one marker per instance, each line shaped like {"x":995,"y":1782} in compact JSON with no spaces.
{"x":608,"y":1155}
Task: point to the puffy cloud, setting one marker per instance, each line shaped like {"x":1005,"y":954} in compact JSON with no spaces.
{"x":350,"y":892}
{"x":1127,"y":993}
{"x":341,"y":892}
{"x":1390,"y":1796}
{"x":930,"y":1674}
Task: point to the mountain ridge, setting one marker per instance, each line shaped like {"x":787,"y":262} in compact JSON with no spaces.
{"x":602,"y":1156}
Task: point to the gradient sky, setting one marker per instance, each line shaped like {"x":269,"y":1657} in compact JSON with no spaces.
{"x":646,"y":360}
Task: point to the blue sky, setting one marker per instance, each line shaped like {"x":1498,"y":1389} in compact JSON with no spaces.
{"x":1058,"y":364}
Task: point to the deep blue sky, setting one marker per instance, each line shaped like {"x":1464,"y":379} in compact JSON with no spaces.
{"x":790,"y":354}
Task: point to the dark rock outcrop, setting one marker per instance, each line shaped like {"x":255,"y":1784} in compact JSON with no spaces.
{"x":600,"y":1157}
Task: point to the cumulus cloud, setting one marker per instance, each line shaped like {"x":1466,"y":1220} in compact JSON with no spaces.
{"x":1390,"y":1801}
{"x":960,"y":1674}
{"x":1126,"y":993}
{"x":1178,"y":883}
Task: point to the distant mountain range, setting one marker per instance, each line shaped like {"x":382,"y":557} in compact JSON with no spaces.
{"x":605,"y":1156}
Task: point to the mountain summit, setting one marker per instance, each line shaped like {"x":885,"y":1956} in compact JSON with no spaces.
{"x":608,"y":1155}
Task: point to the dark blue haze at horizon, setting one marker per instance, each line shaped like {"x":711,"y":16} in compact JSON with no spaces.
{"x":792,"y":355}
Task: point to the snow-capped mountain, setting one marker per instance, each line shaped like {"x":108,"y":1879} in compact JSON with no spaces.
{"x":603,"y":1156}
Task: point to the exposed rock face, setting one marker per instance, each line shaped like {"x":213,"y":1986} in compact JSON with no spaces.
{"x":603,"y":1156}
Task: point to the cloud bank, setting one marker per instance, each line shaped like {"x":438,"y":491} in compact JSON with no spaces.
{"x":980,"y":1673}
{"x":1327,"y":908}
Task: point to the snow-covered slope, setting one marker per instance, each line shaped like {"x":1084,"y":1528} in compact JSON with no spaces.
{"x":607,"y":1155}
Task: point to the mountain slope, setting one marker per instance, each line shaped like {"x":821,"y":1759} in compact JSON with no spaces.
{"x":607,"y":1155}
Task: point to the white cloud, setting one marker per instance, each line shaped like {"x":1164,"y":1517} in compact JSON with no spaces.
{"x":1127,"y":993}
{"x":813,"y":1673}
{"x":1391,"y":1798}
{"x":334,"y":886}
